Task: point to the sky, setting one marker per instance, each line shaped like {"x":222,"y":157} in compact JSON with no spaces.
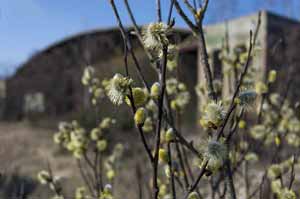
{"x":28,"y":26}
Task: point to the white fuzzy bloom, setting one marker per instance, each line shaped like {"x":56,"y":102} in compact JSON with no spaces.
{"x":213,"y":115}
{"x":155,"y":36}
{"x":216,"y":154}
{"x":117,"y":88}
{"x":88,"y":74}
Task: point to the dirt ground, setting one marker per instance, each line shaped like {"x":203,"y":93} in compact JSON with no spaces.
{"x":25,"y":150}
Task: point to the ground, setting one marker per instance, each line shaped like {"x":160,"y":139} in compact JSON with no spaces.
{"x":26,"y":149}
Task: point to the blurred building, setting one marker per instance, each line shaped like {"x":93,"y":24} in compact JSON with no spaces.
{"x":50,"y":81}
{"x":278,"y":43}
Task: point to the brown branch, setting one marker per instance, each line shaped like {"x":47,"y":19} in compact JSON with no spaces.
{"x":162,"y":81}
{"x":237,"y":90}
{"x":125,"y":38}
{"x":170,"y":164}
{"x":185,"y":17}
{"x":158,"y":10}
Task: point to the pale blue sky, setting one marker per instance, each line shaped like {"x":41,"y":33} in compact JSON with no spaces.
{"x":27,"y":26}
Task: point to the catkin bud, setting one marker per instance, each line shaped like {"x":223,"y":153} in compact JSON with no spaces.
{"x":274,"y":171}
{"x":193,"y":195}
{"x":155,"y":90}
{"x":140,"y":116}
{"x":272,"y":76}
{"x":78,"y":152}
{"x":44,"y":177}
{"x":163,"y":155}
{"x":242,"y":124}
{"x":170,"y":136}
{"x":101,"y":145}
{"x":139,"y":97}
{"x":95,"y":134}
{"x":110,"y":174}
{"x":261,"y":88}
{"x":167,"y":171}
{"x":251,"y":157}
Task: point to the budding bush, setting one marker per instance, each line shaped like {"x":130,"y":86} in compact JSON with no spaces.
{"x":238,"y":111}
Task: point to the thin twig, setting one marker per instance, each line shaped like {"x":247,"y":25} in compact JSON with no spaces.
{"x":170,"y":164}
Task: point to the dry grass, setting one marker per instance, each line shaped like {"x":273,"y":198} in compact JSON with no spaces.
{"x":27,"y":149}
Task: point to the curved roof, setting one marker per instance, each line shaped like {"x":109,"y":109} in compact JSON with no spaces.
{"x":111,"y":32}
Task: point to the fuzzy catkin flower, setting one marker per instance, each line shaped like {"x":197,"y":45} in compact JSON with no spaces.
{"x":216,"y":154}
{"x":170,"y":135}
{"x":87,"y":75}
{"x":117,"y":88}
{"x":107,"y":192}
{"x":96,"y":133}
{"x":107,"y":122}
{"x":242,"y":124}
{"x":80,"y":193}
{"x":102,"y":145}
{"x":57,"y":197}
{"x":44,"y":177}
{"x":194,"y":195}
{"x":140,"y":116}
{"x":251,"y":157}
{"x":163,"y":155}
{"x":63,"y":126}
{"x":167,"y":171}
{"x":172,"y":57}
{"x":110,"y":174}
{"x":78,"y":153}
{"x":152,"y":107}
{"x":182,"y":98}
{"x":155,"y":36}
{"x":98,"y":93}
{"x":171,"y":86}
{"x":258,"y":132}
{"x":58,"y":137}
{"x":148,"y":125}
{"x":213,"y":115}
{"x":286,"y":194}
{"x":261,"y":88}
{"x":163,"y":190}
{"x":140,"y":97}
{"x":274,"y":171}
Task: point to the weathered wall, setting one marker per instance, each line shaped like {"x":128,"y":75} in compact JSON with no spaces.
{"x":283,"y":44}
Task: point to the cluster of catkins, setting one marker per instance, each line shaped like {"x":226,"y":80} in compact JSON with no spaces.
{"x":77,"y":139}
{"x":276,"y":174}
